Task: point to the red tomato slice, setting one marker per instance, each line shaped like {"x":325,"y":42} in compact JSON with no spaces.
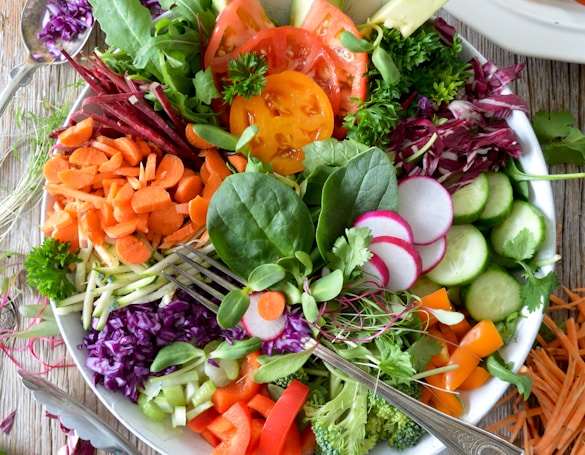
{"x":238,"y":21}
{"x":327,"y":22}
{"x":292,"y":48}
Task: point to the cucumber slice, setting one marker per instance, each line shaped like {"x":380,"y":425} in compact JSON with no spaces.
{"x":470,"y":200}
{"x":466,"y":257}
{"x":495,"y":294}
{"x":499,"y":201}
{"x":521,"y":234}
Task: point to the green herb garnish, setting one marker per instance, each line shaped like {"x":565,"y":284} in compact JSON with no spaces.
{"x":246,"y":74}
{"x":47,"y":267}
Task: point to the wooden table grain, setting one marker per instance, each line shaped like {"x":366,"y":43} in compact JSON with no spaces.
{"x":547,"y":85}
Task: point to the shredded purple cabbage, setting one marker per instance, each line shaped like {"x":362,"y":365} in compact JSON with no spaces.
{"x":121,"y":353}
{"x":474,"y":136}
{"x":295,"y":329}
{"x":65,"y":21}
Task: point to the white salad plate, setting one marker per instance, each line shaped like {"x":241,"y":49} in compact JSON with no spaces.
{"x":550,"y":29}
{"x":167,"y":440}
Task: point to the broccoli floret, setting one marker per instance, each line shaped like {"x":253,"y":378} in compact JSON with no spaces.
{"x":407,"y":433}
{"x":300,"y":375}
{"x":386,"y":422}
{"x":340,"y":424}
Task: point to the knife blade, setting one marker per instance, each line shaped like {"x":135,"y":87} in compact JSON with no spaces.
{"x":75,"y":416}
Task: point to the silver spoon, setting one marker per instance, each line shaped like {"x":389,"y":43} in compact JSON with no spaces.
{"x":31,"y":23}
{"x":75,"y":416}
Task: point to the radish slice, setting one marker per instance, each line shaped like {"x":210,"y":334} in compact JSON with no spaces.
{"x":402,"y":259}
{"x":432,"y":253}
{"x":427,"y":206}
{"x":385,"y":222}
{"x":257,"y":326}
{"x":375,"y":272}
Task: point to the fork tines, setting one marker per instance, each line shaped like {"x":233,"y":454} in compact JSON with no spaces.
{"x":204,"y":284}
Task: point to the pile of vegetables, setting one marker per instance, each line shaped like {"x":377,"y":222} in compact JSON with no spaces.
{"x":346,"y":203}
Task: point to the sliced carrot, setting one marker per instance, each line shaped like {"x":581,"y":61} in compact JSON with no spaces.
{"x":166,"y":221}
{"x":113,"y":163}
{"x":132,"y":250}
{"x":53,"y":166}
{"x":143,"y":145}
{"x":198,"y":207}
{"x":131,"y":151}
{"x":169,"y":171}
{"x":76,"y":178}
{"x":87,"y":156}
{"x":271,"y":304}
{"x":128,"y":171}
{"x":90,"y":223}
{"x":121,"y":229}
{"x":72,"y":193}
{"x":150,"y":167}
{"x":183,"y":234}
{"x":194,"y":139}
{"x":57,"y":220}
{"x":150,"y":198}
{"x":215,"y":163}
{"x":238,"y":161}
{"x":188,"y":187}
{"x":78,"y":134}
{"x":106,"y":145}
{"x":211,"y":185}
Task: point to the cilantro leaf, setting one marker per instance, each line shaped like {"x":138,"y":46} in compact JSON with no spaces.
{"x":536,"y":293}
{"x":561,"y":141}
{"x":350,"y":251}
{"x":521,"y":247}
{"x":47,"y":267}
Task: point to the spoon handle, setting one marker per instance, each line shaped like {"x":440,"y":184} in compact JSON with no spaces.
{"x":21,"y":75}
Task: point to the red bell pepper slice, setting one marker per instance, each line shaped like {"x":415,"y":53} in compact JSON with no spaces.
{"x":281,"y":418}
{"x":234,"y":429}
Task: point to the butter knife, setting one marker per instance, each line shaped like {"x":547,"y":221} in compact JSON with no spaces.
{"x":75,"y":416}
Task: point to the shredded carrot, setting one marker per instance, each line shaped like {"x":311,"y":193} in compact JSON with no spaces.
{"x":552,"y":421}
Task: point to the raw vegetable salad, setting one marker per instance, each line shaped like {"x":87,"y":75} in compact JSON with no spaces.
{"x":376,"y":213}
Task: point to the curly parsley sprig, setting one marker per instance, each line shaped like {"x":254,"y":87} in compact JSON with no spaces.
{"x":246,"y":75}
{"x":47,"y":267}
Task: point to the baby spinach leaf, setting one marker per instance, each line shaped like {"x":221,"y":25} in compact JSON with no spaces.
{"x":367,"y":182}
{"x":255,"y":219}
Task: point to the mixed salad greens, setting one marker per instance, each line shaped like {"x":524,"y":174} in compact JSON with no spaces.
{"x":421,"y":113}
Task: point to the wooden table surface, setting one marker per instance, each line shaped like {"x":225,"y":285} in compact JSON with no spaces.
{"x":547,"y":85}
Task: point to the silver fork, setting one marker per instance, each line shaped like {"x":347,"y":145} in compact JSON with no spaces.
{"x":459,"y":436}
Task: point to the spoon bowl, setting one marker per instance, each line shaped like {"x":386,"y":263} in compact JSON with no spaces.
{"x":32,"y":20}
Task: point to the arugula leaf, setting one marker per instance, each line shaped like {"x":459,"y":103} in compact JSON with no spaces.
{"x":498,"y":368}
{"x":561,"y":141}
{"x":47,"y":267}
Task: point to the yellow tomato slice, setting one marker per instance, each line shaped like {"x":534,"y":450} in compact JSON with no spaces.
{"x":292,"y":111}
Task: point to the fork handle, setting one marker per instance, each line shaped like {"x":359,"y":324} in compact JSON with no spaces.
{"x":459,"y":436}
